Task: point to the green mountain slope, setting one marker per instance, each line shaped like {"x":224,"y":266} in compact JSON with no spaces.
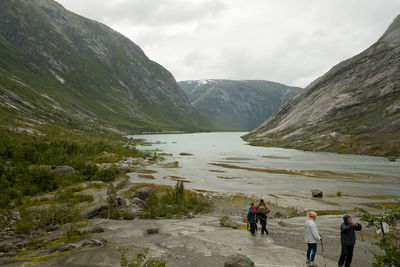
{"x":237,"y":105}
{"x":353,"y":108}
{"x":58,"y":67}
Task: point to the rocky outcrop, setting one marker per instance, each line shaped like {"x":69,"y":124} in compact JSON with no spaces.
{"x":238,"y":105}
{"x":81,"y":72}
{"x":238,"y":261}
{"x":98,"y":210}
{"x":353,"y":108}
{"x":143,"y":193}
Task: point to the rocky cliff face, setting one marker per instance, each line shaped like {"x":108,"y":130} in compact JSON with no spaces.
{"x":353,"y":108}
{"x":60,"y":67}
{"x":237,"y":105}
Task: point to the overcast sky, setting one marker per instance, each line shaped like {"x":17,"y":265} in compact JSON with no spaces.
{"x":287,"y":41}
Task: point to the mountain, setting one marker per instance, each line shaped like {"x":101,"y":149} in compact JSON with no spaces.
{"x":59,"y":67}
{"x":353,"y":108}
{"x":237,"y":105}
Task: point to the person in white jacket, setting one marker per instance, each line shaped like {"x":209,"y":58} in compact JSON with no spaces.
{"x":311,"y":237}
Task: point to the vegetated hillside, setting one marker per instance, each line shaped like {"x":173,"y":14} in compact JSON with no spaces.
{"x":59,"y":67}
{"x":353,"y":108}
{"x":237,"y":105}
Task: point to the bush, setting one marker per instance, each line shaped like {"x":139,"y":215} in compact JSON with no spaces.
{"x":176,"y":202}
{"x":106,"y":175}
{"x":128,"y":216}
{"x":388,"y":242}
{"x":57,"y":146}
{"x":338,"y":193}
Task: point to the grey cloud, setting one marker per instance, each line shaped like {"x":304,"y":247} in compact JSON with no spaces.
{"x":291,"y":42}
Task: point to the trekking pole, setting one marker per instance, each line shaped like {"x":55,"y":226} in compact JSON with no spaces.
{"x":323,"y":252}
{"x":362,"y":240}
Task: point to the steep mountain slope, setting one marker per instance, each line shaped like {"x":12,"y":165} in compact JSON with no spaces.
{"x":56,"y":66}
{"x":238,"y":105}
{"x":353,"y":108}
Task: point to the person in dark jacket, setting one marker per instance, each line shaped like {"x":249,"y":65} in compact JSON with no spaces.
{"x":247,"y":216}
{"x":262,"y":214}
{"x":348,"y":240}
{"x":253,"y":218}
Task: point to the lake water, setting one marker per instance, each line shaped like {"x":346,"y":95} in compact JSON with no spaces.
{"x":373,"y":175}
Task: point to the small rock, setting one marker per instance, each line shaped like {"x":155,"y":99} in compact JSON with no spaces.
{"x":6,"y":247}
{"x":238,"y":261}
{"x":101,"y":242}
{"x":86,"y":243}
{"x":317,"y":193}
{"x":96,"y":229}
{"x":10,"y":254}
{"x":63,"y":170}
{"x":392,"y":159}
{"x":62,"y":247}
{"x":52,"y":228}
{"x":97,"y":182}
{"x":190,"y":215}
{"x":8,"y":164}
{"x":152,"y":231}
{"x":97,"y":243}
{"x":143,"y":193}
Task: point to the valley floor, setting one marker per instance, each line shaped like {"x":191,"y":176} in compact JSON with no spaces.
{"x":201,"y":241}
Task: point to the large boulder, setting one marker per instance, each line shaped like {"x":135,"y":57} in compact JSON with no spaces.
{"x":143,"y":193}
{"x":63,"y":170}
{"x":226,"y":221}
{"x":238,"y":261}
{"x":138,"y":202}
{"x":96,"y":211}
{"x":317,"y":193}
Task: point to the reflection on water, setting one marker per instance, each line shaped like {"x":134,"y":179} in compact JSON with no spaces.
{"x":195,"y":152}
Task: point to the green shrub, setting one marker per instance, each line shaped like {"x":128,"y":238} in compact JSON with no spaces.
{"x":115,"y":214}
{"x":106,"y":175}
{"x":57,"y":146}
{"x":339,"y":193}
{"x":176,"y":202}
{"x":128,"y":216}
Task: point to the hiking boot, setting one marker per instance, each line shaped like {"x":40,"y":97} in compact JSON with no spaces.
{"x":307,"y":262}
{"x":313,"y":264}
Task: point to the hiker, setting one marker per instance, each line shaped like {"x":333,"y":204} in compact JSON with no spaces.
{"x":252,"y":217}
{"x":247,"y":216}
{"x":311,"y":237}
{"x":119,"y":202}
{"x":348,"y":240}
{"x":262,"y":214}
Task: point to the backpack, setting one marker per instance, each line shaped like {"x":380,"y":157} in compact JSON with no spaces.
{"x":263,"y":211}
